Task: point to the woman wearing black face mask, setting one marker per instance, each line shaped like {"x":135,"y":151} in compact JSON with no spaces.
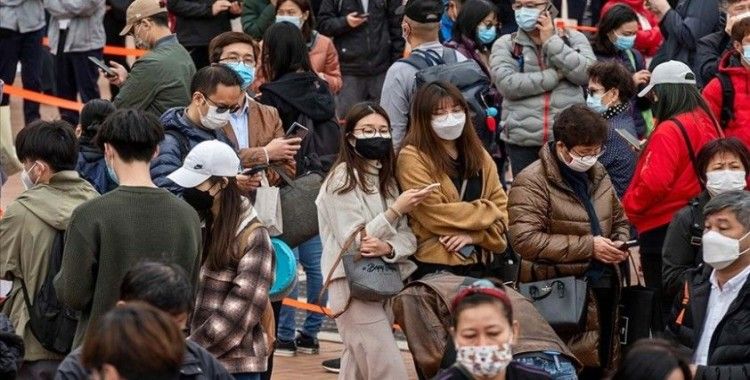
{"x":237,"y":269}
{"x":361,"y":190}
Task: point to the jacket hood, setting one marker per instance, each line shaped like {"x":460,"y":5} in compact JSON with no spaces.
{"x":89,"y":152}
{"x":305,"y":92}
{"x":731,"y":63}
{"x":54,"y":203}
{"x":176,"y":119}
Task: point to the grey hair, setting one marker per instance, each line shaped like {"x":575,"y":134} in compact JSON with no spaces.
{"x":738,"y":202}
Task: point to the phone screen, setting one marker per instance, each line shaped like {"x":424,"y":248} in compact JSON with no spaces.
{"x":466,"y":251}
{"x":297,"y":130}
{"x":102,"y":66}
{"x":632,"y":140}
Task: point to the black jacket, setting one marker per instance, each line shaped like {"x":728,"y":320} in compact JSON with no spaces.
{"x":729,"y":350}
{"x":296,"y":93}
{"x":682,"y":248}
{"x":707,"y":54}
{"x":369,"y":49}
{"x":196,"y":25}
{"x":197,"y":364}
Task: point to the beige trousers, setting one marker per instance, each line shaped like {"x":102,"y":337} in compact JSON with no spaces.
{"x":370,"y":351}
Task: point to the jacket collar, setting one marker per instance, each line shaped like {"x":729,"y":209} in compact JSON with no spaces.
{"x":731,"y":63}
{"x":523,"y":38}
{"x":552,"y":170}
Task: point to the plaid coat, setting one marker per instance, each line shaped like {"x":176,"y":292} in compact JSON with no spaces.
{"x":230,"y":303}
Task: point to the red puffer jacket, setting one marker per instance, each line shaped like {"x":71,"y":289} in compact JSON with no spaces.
{"x":738,"y":127}
{"x":647,"y":41}
{"x":664,"y":179}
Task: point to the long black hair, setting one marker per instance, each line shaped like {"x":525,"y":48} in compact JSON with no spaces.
{"x":471,"y":15}
{"x":613,"y":19}
{"x":677,"y":98}
{"x":284,"y":51}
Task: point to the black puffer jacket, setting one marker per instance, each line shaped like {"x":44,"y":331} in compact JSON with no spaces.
{"x":707,"y":54}
{"x":11,"y":349}
{"x":196,"y":25}
{"x":729,"y":351}
{"x":682,"y":248}
{"x":370,"y":48}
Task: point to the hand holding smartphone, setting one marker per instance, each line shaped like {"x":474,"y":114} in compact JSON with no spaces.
{"x":253,"y":170}
{"x":99,"y":63}
{"x":297,"y":130}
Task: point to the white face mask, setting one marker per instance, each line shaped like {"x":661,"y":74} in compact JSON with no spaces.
{"x":213,"y":119}
{"x":26,"y":178}
{"x":450,"y":126}
{"x":721,"y":251}
{"x":580,"y":164}
{"x":485,"y":361}
{"x":722,"y":181}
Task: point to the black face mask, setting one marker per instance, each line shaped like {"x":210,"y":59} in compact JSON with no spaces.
{"x":201,"y":201}
{"x":373,"y":148}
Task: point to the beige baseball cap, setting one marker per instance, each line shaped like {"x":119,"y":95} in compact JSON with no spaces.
{"x":140,"y":9}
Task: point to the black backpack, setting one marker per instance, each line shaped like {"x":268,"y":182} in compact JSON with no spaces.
{"x":727,"y":99}
{"x":320,"y":147}
{"x":467,"y":76}
{"x":53,"y":324}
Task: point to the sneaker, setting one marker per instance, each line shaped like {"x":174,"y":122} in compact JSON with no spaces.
{"x":333,"y":365}
{"x":285,"y":348}
{"x":307,"y":344}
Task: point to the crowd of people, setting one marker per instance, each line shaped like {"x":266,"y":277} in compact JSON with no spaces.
{"x":397,"y":147}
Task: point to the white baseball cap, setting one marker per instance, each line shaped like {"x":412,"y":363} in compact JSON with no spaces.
{"x":669,"y":72}
{"x":207,"y":159}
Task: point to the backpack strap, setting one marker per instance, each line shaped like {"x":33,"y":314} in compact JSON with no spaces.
{"x":182,"y":142}
{"x":727,"y":99}
{"x":449,"y":56}
{"x":689,"y":146}
{"x":696,"y":227}
{"x":422,"y":59}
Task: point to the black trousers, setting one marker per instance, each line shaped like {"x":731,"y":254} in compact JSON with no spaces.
{"x":76,"y":74}
{"x":199,"y":55}
{"x":651,"y":243}
{"x":26,"y":48}
{"x":113,"y":25}
{"x":521,"y":156}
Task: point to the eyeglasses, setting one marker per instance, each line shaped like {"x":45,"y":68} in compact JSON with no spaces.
{"x":222,"y":108}
{"x":248,"y":61}
{"x":539,"y":6}
{"x":593,"y":91}
{"x":595,"y":155}
{"x":369,"y":132}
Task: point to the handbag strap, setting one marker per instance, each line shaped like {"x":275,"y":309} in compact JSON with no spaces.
{"x":289,"y":181}
{"x":347,"y":244}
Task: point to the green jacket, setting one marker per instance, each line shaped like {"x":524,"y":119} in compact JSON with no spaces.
{"x":26,"y":233}
{"x":159,"y":80}
{"x":257,"y":16}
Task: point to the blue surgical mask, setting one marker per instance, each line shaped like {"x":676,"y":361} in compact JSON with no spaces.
{"x":111,"y":173}
{"x":594,"y":102}
{"x":296,"y":20}
{"x":247,"y":73}
{"x":624,"y":42}
{"x":486,"y":34}
{"x":526,"y":18}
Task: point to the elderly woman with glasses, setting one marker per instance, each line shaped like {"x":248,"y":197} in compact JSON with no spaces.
{"x":566,"y":220}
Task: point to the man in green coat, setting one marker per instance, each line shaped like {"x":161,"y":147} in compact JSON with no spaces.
{"x":48,"y":151}
{"x":159,"y":80}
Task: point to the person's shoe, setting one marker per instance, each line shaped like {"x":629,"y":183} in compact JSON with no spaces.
{"x":285,"y":348}
{"x":333,"y":365}
{"x":307,"y":344}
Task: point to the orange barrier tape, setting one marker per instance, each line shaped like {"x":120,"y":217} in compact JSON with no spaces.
{"x":582,"y":28}
{"x":113,"y":50}
{"x":42,"y":98}
{"x":313,"y":308}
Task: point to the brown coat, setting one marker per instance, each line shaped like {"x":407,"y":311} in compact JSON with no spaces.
{"x":264,"y":125}
{"x":549,"y":225}
{"x":442,"y":213}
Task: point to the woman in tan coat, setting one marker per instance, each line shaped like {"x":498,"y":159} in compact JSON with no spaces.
{"x":461,"y":224}
{"x":566,"y":220}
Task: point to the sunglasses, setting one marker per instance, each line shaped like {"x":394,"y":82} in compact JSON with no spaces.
{"x":222,"y":108}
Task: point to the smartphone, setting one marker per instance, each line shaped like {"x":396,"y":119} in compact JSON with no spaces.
{"x":297,"y":130}
{"x":629,"y":244}
{"x":363,"y":15}
{"x":632,"y":140}
{"x":552,"y":10}
{"x":107,"y":70}
{"x":431,"y":186}
{"x":466,"y":251}
{"x":254,"y":169}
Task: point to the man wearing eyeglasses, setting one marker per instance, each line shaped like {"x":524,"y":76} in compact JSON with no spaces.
{"x":160,"y":79}
{"x":216,"y":95}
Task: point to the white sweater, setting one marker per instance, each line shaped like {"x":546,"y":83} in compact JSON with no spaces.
{"x":340,"y":214}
